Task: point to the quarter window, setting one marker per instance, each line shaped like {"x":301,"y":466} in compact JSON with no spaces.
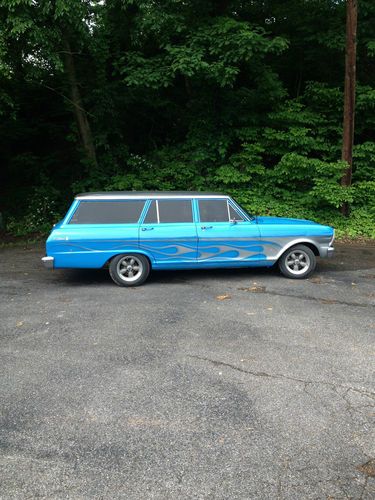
{"x":213,"y":211}
{"x":175,"y":211}
{"x":108,"y":212}
{"x":233,"y":214}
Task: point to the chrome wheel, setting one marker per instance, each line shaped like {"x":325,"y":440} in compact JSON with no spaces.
{"x":129,"y":268}
{"x":297,"y":262}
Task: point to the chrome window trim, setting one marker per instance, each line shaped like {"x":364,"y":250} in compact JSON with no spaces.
{"x":148,"y":197}
{"x":157,"y":211}
{"x":237,"y":209}
{"x":228,"y":211}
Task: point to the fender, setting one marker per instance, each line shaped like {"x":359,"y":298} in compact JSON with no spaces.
{"x":299,"y":241}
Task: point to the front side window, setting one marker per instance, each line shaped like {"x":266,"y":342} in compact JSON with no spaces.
{"x":108,"y":212}
{"x":213,"y":211}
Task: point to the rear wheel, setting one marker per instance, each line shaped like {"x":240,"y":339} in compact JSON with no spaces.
{"x":129,"y":269}
{"x":297,"y":262}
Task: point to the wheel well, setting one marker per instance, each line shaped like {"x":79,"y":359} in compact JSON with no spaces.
{"x":312,"y":247}
{"x":106,"y":264}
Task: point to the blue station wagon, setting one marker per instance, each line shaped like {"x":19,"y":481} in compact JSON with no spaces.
{"x":134,"y":232}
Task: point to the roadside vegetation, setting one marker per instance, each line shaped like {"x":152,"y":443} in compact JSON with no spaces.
{"x":240,"y":97}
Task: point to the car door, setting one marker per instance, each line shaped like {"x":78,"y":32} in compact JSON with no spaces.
{"x":168,"y":233}
{"x":225,"y":235}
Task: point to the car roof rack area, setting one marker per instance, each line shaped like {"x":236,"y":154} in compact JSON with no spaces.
{"x":120,"y":195}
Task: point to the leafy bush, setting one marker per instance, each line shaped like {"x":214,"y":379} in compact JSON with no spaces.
{"x":41,"y":213}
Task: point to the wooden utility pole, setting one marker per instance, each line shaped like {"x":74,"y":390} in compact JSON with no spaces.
{"x":349,"y":95}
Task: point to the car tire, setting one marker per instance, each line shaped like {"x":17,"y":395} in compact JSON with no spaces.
{"x":297,"y":262}
{"x":129,"y":269}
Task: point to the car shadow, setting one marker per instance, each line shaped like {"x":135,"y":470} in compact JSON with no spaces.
{"x":346,"y":258}
{"x":84,"y":277}
{"x":208,"y":275}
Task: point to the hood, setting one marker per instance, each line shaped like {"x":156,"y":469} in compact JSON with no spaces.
{"x":284,"y":221}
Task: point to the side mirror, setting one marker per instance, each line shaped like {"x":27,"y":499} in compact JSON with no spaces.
{"x":233,"y":221}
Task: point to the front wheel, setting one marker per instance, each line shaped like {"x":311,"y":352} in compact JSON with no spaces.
{"x":129,"y":269}
{"x":297,"y":262}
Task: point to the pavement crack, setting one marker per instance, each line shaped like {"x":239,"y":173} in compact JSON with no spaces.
{"x":318,"y":299}
{"x":234,"y":367}
{"x":280,"y":376}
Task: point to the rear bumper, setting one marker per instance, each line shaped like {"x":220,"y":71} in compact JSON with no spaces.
{"x":48,"y":262}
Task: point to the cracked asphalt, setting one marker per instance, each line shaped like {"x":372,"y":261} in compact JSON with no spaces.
{"x":229,"y":384}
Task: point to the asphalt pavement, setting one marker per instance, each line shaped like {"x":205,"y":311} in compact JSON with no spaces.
{"x":220,"y":384}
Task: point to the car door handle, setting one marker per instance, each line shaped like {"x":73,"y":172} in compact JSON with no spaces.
{"x":147,"y":228}
{"x":206,"y":227}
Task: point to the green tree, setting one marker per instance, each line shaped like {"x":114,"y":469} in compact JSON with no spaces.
{"x":40,"y":39}
{"x":238,"y":96}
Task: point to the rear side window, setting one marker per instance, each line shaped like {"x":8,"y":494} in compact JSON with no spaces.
{"x":108,"y":212}
{"x":175,"y":211}
{"x":169,"y":211}
{"x":213,"y":211}
{"x":152,"y":214}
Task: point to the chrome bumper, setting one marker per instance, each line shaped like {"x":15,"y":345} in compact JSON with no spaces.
{"x":326,"y":252}
{"x":330,"y":252}
{"x":48,"y":262}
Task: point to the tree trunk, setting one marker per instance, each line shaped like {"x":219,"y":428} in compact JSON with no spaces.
{"x":80,"y":113}
{"x":349,"y":95}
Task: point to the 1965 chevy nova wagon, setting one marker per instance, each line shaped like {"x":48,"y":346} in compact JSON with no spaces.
{"x":134,"y":232}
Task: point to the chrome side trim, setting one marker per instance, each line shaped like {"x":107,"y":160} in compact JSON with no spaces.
{"x":48,"y":262}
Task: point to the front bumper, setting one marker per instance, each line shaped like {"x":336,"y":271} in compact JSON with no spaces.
{"x":326,"y":252}
{"x":48,"y":262}
{"x":330,"y":252}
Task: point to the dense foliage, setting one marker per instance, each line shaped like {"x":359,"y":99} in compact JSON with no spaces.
{"x":234,"y":96}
